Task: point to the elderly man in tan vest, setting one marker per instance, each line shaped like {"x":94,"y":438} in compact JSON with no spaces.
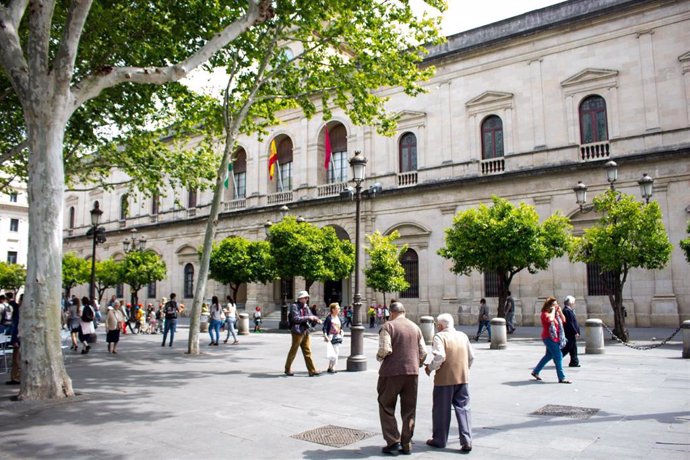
{"x":401,"y":353}
{"x":453,"y":357}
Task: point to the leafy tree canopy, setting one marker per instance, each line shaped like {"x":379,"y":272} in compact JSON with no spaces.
{"x":75,"y":271}
{"x":315,"y":254}
{"x":236,"y":260}
{"x":630,"y":234}
{"x":504,"y":238}
{"x":108,"y":274}
{"x":12,"y":276}
{"x":140,"y":268}
{"x":384,"y":272}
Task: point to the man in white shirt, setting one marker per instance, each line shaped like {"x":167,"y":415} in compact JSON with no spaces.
{"x":453,"y":357}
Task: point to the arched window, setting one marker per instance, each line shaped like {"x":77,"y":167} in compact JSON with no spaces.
{"x":593,"y":126}
{"x":339,"y":166}
{"x":124,"y":206}
{"x":188,"y":281}
{"x":492,"y":137}
{"x":71,"y":217}
{"x":192,"y":199}
{"x":284,"y":182}
{"x":239,"y":172}
{"x":408,"y":152}
{"x":410,"y":263}
{"x":155,"y":203}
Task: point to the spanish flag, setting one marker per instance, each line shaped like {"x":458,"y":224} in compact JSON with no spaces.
{"x":327,"y":148}
{"x":272,"y":159}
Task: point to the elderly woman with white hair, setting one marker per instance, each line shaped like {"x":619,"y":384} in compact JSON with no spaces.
{"x":572,"y":331}
{"x":453,"y":357}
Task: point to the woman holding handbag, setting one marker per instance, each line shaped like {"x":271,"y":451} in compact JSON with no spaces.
{"x":552,"y":320}
{"x":333,"y":333}
{"x":217,"y":316}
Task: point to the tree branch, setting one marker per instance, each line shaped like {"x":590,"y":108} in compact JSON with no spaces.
{"x":11,"y":54}
{"x":38,"y":49}
{"x":16,"y":10}
{"x":74,"y":26}
{"x":258,"y":12}
{"x":13,"y":151}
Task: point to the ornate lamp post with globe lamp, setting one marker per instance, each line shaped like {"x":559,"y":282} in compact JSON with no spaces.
{"x":357,"y":361}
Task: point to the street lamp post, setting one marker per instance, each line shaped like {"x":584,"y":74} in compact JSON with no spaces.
{"x":646,"y":184}
{"x":133,"y":243}
{"x":357,"y":361}
{"x":96,"y":214}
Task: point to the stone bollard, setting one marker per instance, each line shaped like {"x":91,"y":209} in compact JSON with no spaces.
{"x":686,"y":338}
{"x":203,"y":323}
{"x":426,"y":324}
{"x":499,"y":336}
{"x":594,"y":330}
{"x":243,"y":324}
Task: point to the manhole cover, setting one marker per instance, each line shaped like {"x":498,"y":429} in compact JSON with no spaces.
{"x":554,"y":410}
{"x":333,"y":436}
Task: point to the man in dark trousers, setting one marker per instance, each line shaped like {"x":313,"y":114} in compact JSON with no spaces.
{"x":572,"y":331}
{"x":401,"y":353}
{"x":453,"y":357}
{"x":171,"y":309}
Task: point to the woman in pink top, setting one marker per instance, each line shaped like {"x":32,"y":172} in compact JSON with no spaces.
{"x":552,"y":320}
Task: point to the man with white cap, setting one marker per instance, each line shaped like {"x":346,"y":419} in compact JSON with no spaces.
{"x":300,"y":319}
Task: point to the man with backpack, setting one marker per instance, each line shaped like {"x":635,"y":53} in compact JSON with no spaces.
{"x":5,"y":315}
{"x":170,"y":310}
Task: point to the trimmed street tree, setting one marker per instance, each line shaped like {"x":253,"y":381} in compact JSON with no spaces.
{"x":107,"y":276}
{"x":384,"y":272}
{"x":236,"y":260}
{"x":75,"y":271}
{"x":630,"y":234}
{"x":54,"y":65}
{"x":140,"y":268}
{"x":504,"y":239}
{"x":12,"y":276}
{"x":315,"y":254}
{"x":685,"y":245}
{"x":315,"y":56}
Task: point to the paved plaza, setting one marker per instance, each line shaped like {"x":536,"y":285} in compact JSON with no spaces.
{"x":152,"y":402}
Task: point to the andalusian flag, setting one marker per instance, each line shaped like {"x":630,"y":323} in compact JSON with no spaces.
{"x":272,"y":159}
{"x":227,"y":178}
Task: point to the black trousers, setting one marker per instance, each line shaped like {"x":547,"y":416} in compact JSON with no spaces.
{"x":571,"y":348}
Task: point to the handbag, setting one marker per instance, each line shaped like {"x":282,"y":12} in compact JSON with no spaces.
{"x":337,"y":339}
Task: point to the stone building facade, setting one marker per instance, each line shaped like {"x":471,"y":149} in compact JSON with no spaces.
{"x":523,"y":109}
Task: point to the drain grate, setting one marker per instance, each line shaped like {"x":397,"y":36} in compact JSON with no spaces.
{"x":333,"y":436}
{"x":554,"y":410}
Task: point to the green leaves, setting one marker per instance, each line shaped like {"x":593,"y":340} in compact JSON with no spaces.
{"x":685,"y":245}
{"x":316,"y":254}
{"x":384,"y":272}
{"x":75,"y":270}
{"x":630,"y":234}
{"x":139,"y":268}
{"x":12,"y":276}
{"x":504,"y":239}
{"x":236,"y":260}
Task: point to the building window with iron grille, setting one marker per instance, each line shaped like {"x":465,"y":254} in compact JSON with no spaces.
{"x":284,"y":182}
{"x":410,"y":262}
{"x":188,"y":281}
{"x":124,"y":206}
{"x":339,"y":167}
{"x":492,"y":282}
{"x":597,"y":279}
{"x":152,"y":290}
{"x":119,"y":290}
{"x":11,"y":257}
{"x":286,"y":290}
{"x":593,"y":125}
{"x":72,"y":216}
{"x":14,"y":225}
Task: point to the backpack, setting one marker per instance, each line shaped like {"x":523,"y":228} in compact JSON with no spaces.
{"x":87,"y":314}
{"x":171,"y":310}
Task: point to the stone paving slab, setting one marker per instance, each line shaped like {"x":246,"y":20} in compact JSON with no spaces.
{"x":151,"y":402}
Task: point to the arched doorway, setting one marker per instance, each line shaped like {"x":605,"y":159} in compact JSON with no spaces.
{"x":337,"y":290}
